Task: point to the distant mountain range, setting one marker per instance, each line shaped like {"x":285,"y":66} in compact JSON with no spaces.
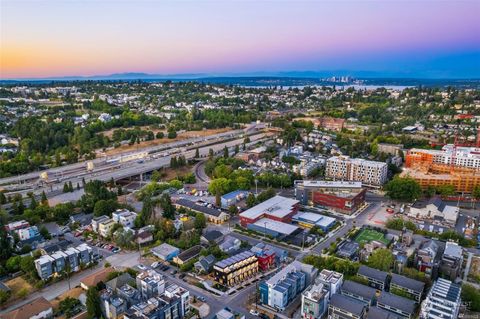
{"x":290,"y":78}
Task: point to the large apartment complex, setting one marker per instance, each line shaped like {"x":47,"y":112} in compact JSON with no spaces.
{"x":458,"y":166}
{"x":344,"y":168}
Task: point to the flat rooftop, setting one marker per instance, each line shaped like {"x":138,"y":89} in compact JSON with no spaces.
{"x":332,"y":184}
{"x":277,"y":206}
{"x":276,"y":226}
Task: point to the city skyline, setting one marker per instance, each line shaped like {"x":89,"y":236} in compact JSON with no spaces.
{"x":416,"y":39}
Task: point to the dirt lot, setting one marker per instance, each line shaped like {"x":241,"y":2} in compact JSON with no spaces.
{"x":474,"y":273}
{"x":17,"y":285}
{"x":180,"y":137}
{"x":73,"y":293}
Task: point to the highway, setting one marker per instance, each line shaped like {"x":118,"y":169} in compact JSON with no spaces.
{"x":125,"y":165}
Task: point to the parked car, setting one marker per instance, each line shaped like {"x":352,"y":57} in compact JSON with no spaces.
{"x":142,"y":267}
{"x":155,"y":264}
{"x":253,"y":312}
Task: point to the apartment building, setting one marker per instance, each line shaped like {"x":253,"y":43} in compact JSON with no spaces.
{"x":105,"y":226}
{"x":443,"y":301}
{"x":150,"y":284}
{"x":376,"y":278}
{"x":59,"y":261}
{"x":278,"y":291}
{"x":343,"y":307}
{"x":359,"y":292}
{"x":315,"y":298}
{"x":314,"y":302}
{"x":124,"y":217}
{"x":344,"y":168}
{"x":399,"y":306}
{"x":412,"y":287}
{"x":451,"y":262}
{"x":236,"y":269}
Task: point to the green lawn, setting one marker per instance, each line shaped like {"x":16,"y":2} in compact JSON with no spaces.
{"x":368,"y":235}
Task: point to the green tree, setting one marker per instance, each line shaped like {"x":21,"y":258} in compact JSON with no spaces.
{"x":233,"y":210}
{"x":200,"y":221}
{"x":250,"y":201}
{"x":403,"y":188}
{"x":167,"y":206}
{"x":381,"y":259}
{"x":225,"y":152}
{"x":471,"y":295}
{"x":93,"y":303}
{"x":155,"y":176}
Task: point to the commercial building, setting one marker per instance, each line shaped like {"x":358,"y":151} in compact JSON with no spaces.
{"x":276,"y":208}
{"x":212,"y":215}
{"x":402,"y":307}
{"x":344,"y":168}
{"x":124,"y":217}
{"x":236,"y":269}
{"x":359,"y":292}
{"x":309,"y":220}
{"x":376,"y":278}
{"x":342,"y":196}
{"x":451,"y":262}
{"x":58,"y":262}
{"x":434,"y":210}
{"x":165,"y":252}
{"x":343,"y":307}
{"x":278,"y":291}
{"x":443,"y":301}
{"x":403,"y":284}
{"x":233,"y":198}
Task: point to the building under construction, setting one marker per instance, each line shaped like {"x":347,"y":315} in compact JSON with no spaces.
{"x":452,"y":165}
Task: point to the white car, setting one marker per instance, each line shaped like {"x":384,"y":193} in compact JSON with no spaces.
{"x":142,"y":267}
{"x":155,"y":264}
{"x":254,"y":312}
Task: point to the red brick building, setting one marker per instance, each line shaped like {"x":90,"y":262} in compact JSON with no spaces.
{"x":345,"y":197}
{"x":266,"y":260}
{"x":277,"y":208}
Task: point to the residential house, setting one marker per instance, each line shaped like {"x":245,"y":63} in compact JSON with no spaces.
{"x":187,"y":255}
{"x":205,"y":264}
{"x":426,"y":259}
{"x":39,"y":308}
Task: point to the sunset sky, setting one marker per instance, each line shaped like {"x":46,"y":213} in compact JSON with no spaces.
{"x":437,"y":39}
